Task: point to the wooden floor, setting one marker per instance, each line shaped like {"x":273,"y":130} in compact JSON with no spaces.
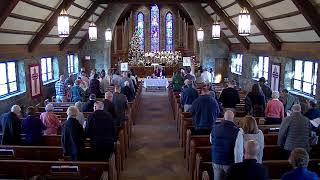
{"x":154,"y":153}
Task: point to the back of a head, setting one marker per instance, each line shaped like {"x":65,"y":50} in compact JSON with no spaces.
{"x":251,"y":149}
{"x":77,"y":82}
{"x":108,"y":95}
{"x":126,"y":83}
{"x":16,"y":109}
{"x":98,"y":105}
{"x":31,"y":111}
{"x":72,"y":112}
{"x":262,"y":80}
{"x":49,"y":107}
{"x":299,"y":157}
{"x":275,"y":95}
{"x":92,"y":97}
{"x":255,"y":89}
{"x":229,"y":116}
{"x":296,"y":108}
{"x":250,"y":125}
{"x":285,"y":91}
{"x":95,"y":76}
{"x":205,"y":89}
{"x":313,"y":104}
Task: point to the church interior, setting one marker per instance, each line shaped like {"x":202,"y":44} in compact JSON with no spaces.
{"x":159,"y":89}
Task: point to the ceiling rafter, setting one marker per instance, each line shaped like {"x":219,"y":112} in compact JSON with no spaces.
{"x":269,"y":35}
{"x":290,"y":14}
{"x":47,"y":27}
{"x":86,"y":37}
{"x":229,"y":23}
{"x":6,"y":9}
{"x":266,"y":4}
{"x":79,"y":24}
{"x":83,"y":8}
{"x":33,"y":3}
{"x":310,"y":13}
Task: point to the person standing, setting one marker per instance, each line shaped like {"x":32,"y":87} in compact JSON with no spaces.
{"x":206,"y":76}
{"x":189,"y":95}
{"x":255,"y":102}
{"x":50,"y":120}
{"x":127,"y":91}
{"x":94,"y":86}
{"x":288,"y":100}
{"x":313,"y":112}
{"x":120,"y":104}
{"x":60,"y":90}
{"x":295,"y":131}
{"x":204,"y":110}
{"x":249,"y":169}
{"x":108,"y":105}
{"x":229,"y":98}
{"x":275,"y":110}
{"x":33,"y":127}
{"x":224,"y":138}
{"x":11,"y":126}
{"x":266,"y":90}
{"x":177,"y":82}
{"x":77,"y":92}
{"x":88,"y":106}
{"x":101,"y":131}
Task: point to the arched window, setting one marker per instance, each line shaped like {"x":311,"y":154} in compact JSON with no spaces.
{"x":140,"y":29}
{"x":154,"y":28}
{"x":169,"y":32}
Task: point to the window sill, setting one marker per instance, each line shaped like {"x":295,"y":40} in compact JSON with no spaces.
{"x":297,"y":93}
{"x":49,"y":82}
{"x":237,"y":73}
{"x":12,"y":95}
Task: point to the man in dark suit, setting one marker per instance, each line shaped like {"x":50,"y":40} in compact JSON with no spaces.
{"x":101,"y":130}
{"x":249,"y":169}
{"x":11,"y":126}
{"x":88,"y":106}
{"x":120,"y":104}
{"x":108,"y":105}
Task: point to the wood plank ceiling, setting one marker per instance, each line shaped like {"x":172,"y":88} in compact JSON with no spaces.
{"x":33,"y":22}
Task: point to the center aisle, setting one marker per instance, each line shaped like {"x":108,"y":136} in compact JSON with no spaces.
{"x":154,"y":153}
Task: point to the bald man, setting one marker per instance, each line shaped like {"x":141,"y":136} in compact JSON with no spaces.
{"x":11,"y":126}
{"x":249,"y":169}
{"x":108,"y":105}
{"x":295,"y":131}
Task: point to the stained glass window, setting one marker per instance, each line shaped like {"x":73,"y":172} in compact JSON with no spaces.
{"x":140,"y":29}
{"x":154,"y":28}
{"x":169,"y":32}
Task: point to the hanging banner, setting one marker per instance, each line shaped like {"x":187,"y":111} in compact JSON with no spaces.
{"x":34,"y":76}
{"x":275,"y":77}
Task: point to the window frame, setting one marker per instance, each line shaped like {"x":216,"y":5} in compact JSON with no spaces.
{"x":302,"y":81}
{"x":52,"y":71}
{"x":166,"y":34}
{"x":262,"y":71}
{"x":237,"y":72}
{"x":73,"y":64}
{"x":7,"y":79}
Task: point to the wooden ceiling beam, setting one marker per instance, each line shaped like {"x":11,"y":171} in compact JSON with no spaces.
{"x":266,"y":4}
{"x":47,"y":27}
{"x":151,"y":1}
{"x":310,"y":13}
{"x":229,"y":23}
{"x":79,"y":25}
{"x":267,"y":32}
{"x":6,"y":9}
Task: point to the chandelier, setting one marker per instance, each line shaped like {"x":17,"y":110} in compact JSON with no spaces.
{"x":108,"y":35}
{"x":244,"y":22}
{"x":63,"y":24}
{"x":216,"y":30}
{"x":200,"y":34}
{"x":93,"y":32}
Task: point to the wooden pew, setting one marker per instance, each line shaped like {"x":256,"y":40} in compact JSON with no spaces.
{"x":28,"y":168}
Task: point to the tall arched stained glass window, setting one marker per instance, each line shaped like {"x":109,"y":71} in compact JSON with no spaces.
{"x":169,"y":32}
{"x":154,"y":28}
{"x":140,"y":29}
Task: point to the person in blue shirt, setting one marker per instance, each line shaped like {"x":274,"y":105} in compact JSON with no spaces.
{"x":313,"y":111}
{"x":204,"y":110}
{"x":299,"y":159}
{"x":189,"y":94}
{"x":33,"y":127}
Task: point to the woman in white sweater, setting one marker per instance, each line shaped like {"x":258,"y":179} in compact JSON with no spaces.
{"x":251,"y":131}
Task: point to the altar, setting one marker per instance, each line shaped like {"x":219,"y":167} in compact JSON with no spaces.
{"x":144,"y":71}
{"x":155,"y":83}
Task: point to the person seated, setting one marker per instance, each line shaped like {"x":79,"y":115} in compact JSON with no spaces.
{"x":72,"y":136}
{"x":177,"y":81}
{"x":108,"y":105}
{"x":134,"y":81}
{"x":94,"y":85}
{"x":299,"y":159}
{"x":224,"y":137}
{"x":50,"y":120}
{"x":11,"y":126}
{"x":229,"y":97}
{"x":33,"y":128}
{"x":266,"y":90}
{"x":120,"y":104}
{"x":127,"y":91}
{"x":255,"y":102}
{"x":288,"y":100}
{"x":313,"y":112}
{"x":104,"y":81}
{"x":294,"y":131}
{"x":80,"y":117}
{"x":250,"y":131}
{"x":249,"y":169}
{"x":189,"y":94}
{"x":77,"y":93}
{"x":125,"y":78}
{"x":88,"y":106}
{"x":101,"y":131}
{"x":205,"y":111}
{"x":189,"y":76}
{"x":275,"y":110}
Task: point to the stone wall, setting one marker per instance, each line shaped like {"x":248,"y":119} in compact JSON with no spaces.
{"x":101,"y":50}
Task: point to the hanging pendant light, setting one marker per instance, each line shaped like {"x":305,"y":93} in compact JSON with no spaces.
{"x":200,"y":34}
{"x":108,"y":35}
{"x":216,"y":30}
{"x":93,"y":32}
{"x":63,"y":24}
{"x":244,"y":22}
